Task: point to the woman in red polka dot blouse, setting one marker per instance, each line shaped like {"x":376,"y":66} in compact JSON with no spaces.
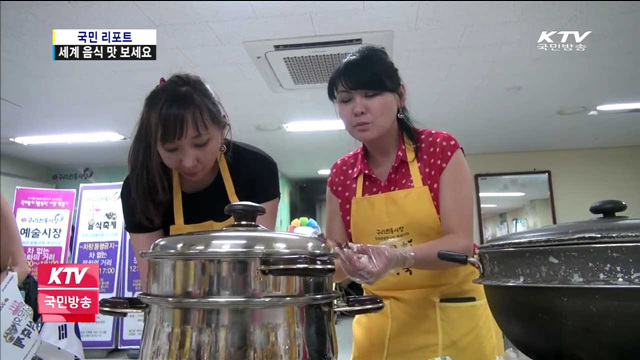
{"x":392,"y":204}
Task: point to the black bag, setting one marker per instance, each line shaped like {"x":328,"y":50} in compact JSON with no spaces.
{"x":30,"y":288}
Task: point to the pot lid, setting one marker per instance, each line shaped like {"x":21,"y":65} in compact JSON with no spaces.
{"x":607,"y":229}
{"x":245,"y":238}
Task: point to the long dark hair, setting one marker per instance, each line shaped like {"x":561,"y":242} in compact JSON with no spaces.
{"x":370,"y":68}
{"x":167,"y":112}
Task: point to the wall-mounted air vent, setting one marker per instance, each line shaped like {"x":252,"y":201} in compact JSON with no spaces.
{"x":307,"y":63}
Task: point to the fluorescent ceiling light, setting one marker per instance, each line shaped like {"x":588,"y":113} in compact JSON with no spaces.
{"x":324,"y":172}
{"x":488,"y":205}
{"x":501,"y":194}
{"x":619,"y":107}
{"x":314,"y":125}
{"x":68,"y":138}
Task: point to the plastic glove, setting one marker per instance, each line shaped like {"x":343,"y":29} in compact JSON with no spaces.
{"x":368,"y":263}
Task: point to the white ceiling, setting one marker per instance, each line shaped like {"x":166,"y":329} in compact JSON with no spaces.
{"x":471,"y":68}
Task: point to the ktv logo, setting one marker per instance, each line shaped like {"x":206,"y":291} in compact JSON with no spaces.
{"x":546,"y":36}
{"x":68,"y":292}
{"x":546,"y":41}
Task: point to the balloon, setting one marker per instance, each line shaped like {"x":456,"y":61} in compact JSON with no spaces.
{"x":304,"y":221}
{"x":291,"y":228}
{"x":295,"y":222}
{"x":312,"y":223}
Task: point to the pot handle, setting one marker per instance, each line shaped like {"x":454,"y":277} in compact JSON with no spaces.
{"x":446,"y":255}
{"x":358,"y":305}
{"x":245,"y":214}
{"x":297,"y":266}
{"x":121,"y":306}
{"x":608,"y":208}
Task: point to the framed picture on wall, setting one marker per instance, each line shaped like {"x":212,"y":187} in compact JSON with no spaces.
{"x":514,"y":202}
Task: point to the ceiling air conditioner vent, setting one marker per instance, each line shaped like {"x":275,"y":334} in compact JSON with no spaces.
{"x":318,"y":44}
{"x":307,"y":63}
{"x":313,"y":69}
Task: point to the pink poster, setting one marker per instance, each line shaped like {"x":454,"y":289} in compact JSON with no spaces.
{"x":44,"y":221}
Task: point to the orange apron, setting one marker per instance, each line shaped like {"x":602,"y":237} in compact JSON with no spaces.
{"x":414,"y":324}
{"x":180,"y":227}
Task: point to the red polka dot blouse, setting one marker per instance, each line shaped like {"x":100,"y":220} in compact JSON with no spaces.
{"x":435,"y":149}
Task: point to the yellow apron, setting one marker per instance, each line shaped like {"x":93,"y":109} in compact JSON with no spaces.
{"x":414,"y":324}
{"x":178,"y":349}
{"x":180,"y":227}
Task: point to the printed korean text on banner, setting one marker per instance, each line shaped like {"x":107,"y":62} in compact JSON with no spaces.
{"x":132,"y":325}
{"x":44,"y":221}
{"x":20,"y":339}
{"x":98,"y":240}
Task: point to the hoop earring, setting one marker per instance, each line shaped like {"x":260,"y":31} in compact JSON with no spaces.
{"x":400,"y":115}
{"x":223,"y":148}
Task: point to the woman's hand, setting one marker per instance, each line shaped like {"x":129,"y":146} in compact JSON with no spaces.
{"x":368,"y":263}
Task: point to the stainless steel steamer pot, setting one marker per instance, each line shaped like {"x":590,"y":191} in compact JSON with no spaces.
{"x":242,"y":292}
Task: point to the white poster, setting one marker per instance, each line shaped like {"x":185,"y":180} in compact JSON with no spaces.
{"x":502,"y":229}
{"x":486,"y":231}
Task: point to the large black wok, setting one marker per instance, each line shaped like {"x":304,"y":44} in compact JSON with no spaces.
{"x":569,"y":291}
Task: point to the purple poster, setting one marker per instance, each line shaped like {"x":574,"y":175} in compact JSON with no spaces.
{"x":105,"y":255}
{"x":132,"y":325}
{"x":134,"y":284}
{"x":44,"y":221}
{"x":98,"y":240}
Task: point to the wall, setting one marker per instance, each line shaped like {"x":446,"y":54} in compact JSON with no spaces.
{"x":16,"y":172}
{"x":543,"y":208}
{"x":284,"y":207}
{"x":100,"y":175}
{"x":308,"y":197}
{"x":579,"y":177}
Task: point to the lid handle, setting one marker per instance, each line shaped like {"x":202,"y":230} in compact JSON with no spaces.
{"x":244,"y":213}
{"x":608,"y":208}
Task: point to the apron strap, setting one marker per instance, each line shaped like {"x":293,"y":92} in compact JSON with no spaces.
{"x":178,"y":214}
{"x":359,"y":184}
{"x":177,"y":199}
{"x":413,"y":168}
{"x":226,"y":176}
{"x":412,"y":159}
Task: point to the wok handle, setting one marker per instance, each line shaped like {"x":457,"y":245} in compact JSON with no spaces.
{"x":121,"y":306}
{"x":357,"y":305}
{"x":297,"y":266}
{"x":446,"y":255}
